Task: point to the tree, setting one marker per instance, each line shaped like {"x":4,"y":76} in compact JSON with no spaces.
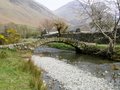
{"x":47,"y":25}
{"x":99,"y":12}
{"x":103,"y":21}
{"x":61,"y":26}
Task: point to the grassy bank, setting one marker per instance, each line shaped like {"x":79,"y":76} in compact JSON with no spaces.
{"x":61,"y":46}
{"x":101,"y":51}
{"x":17,"y":74}
{"x":104,"y":46}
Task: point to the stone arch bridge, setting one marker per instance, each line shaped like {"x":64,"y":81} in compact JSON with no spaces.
{"x":78,"y":45}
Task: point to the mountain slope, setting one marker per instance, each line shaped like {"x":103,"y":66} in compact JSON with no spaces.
{"x":74,"y":13}
{"x":26,"y":12}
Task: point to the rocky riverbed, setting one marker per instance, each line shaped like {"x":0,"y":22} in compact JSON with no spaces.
{"x":71,"y":77}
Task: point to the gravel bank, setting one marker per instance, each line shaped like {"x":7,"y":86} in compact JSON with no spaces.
{"x":70,"y":76}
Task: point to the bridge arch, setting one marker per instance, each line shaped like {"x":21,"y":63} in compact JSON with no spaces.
{"x":74,"y":43}
{"x":57,"y":42}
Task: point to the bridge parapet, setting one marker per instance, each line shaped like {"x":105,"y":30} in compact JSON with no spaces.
{"x":32,"y":45}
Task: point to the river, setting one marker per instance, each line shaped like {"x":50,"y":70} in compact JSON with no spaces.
{"x":63,"y":67}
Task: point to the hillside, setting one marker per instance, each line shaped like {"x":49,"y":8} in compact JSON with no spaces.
{"x":74,"y":13}
{"x":26,"y":12}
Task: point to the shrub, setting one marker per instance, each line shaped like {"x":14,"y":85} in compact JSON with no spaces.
{"x":3,"y":40}
{"x":12,"y":36}
{"x":3,"y":54}
{"x":9,"y":37}
{"x":78,"y":30}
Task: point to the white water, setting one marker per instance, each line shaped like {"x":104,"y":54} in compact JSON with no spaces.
{"x":70,"y":76}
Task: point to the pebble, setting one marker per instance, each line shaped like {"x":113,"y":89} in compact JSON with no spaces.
{"x":70,"y":76}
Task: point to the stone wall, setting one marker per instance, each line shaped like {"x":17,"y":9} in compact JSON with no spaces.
{"x":91,"y":37}
{"x":20,"y":46}
{"x":87,"y":37}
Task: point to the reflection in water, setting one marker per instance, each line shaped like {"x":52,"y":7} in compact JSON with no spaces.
{"x":70,"y":56}
{"x":98,"y":67}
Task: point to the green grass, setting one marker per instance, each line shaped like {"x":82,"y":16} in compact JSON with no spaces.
{"x":101,"y":46}
{"x":61,"y":46}
{"x":12,"y":75}
{"x":104,"y":46}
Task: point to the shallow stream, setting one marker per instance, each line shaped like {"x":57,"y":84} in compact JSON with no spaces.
{"x":100,"y":68}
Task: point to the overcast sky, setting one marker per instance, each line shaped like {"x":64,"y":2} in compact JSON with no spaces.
{"x":53,"y":4}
